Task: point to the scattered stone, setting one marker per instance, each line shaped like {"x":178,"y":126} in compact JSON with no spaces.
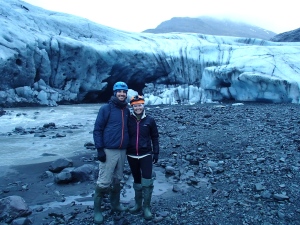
{"x":63,"y":177}
{"x":170,"y":170}
{"x":89,"y":145}
{"x":60,"y":135}
{"x":259,"y":187}
{"x":243,"y":169}
{"x":49,"y":125}
{"x":280,"y":197}
{"x":13,"y":207}
{"x":60,"y":164}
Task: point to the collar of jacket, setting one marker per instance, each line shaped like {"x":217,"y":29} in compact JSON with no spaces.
{"x":118,"y":103}
{"x":142,"y":117}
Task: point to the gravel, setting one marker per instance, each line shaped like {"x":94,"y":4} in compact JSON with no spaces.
{"x":226,"y":163}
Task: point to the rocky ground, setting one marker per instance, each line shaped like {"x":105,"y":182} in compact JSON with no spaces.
{"x":226,"y":164}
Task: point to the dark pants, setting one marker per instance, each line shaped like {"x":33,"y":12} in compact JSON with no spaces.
{"x":140,"y":168}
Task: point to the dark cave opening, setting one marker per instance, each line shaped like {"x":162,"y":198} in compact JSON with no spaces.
{"x":104,"y":95}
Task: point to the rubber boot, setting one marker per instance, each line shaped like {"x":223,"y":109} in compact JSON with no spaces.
{"x":147,"y":187}
{"x":115,"y":199}
{"x":98,"y":197}
{"x":138,"y":199}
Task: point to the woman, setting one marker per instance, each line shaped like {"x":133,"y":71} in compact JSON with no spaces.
{"x":142,"y":151}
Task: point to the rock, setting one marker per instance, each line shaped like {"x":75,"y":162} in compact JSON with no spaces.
{"x":63,"y":177}
{"x":259,"y":187}
{"x":85,"y":172}
{"x":22,"y":221}
{"x":13,"y":207}
{"x":170,"y":170}
{"x":89,"y":145}
{"x":280,"y":197}
{"x":59,"y":135}
{"x":49,"y":125}
{"x":59,"y":164}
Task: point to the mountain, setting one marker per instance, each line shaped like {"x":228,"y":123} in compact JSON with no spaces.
{"x":290,"y":36}
{"x":211,"y":26}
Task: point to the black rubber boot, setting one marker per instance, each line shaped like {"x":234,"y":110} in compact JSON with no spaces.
{"x":147,"y":187}
{"x":98,"y":197}
{"x":138,"y":199}
{"x":115,"y":198}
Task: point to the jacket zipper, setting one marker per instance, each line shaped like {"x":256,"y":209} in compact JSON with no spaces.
{"x":122,"y":128}
{"x":137,"y":137}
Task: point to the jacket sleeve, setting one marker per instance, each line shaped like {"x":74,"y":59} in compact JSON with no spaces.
{"x":99,"y":126}
{"x":154,"y":137}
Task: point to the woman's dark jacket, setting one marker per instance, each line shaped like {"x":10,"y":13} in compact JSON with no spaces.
{"x":143,"y":136}
{"x":110,"y":129}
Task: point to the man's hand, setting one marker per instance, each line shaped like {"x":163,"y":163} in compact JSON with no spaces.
{"x":155,"y":158}
{"x":101,"y":155}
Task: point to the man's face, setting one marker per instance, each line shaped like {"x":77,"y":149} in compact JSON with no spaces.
{"x":121,"y":95}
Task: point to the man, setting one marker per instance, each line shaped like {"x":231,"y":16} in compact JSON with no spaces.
{"x":111,"y":139}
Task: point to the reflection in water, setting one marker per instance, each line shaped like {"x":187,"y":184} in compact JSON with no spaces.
{"x":160,"y":186}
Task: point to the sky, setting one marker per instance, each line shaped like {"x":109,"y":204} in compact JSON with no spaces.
{"x":139,"y":15}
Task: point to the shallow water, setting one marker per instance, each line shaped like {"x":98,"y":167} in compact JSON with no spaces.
{"x":26,"y":149}
{"x":161,"y":186}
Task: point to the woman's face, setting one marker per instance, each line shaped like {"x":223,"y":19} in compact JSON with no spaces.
{"x":138,"y":108}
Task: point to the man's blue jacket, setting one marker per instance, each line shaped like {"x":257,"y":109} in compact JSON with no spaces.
{"x":110,"y":130}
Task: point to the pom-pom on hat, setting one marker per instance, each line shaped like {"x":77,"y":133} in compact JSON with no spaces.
{"x":137,"y":99}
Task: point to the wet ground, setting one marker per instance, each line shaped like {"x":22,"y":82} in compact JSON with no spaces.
{"x":218,"y":164}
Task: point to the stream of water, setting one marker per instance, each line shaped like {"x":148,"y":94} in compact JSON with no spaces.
{"x":19,"y":149}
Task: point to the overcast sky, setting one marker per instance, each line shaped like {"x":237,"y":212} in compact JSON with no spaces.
{"x":139,"y":15}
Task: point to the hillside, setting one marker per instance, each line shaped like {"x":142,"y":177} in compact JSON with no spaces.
{"x":211,"y":26}
{"x":289,"y":36}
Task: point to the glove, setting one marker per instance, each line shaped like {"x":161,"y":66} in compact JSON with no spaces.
{"x":101,"y":155}
{"x":155,"y":158}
